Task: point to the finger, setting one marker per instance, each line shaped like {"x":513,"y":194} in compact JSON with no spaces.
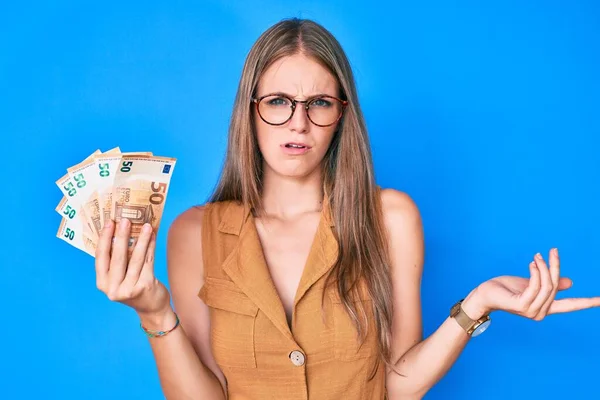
{"x":118,"y":262}
{"x":573,"y":304}
{"x":554,"y":264}
{"x":103,"y":254}
{"x":138,"y":256}
{"x":546,"y":285}
{"x":531,"y":291}
{"x":564,"y":283}
{"x":147,"y":273}
{"x":554,"y":277}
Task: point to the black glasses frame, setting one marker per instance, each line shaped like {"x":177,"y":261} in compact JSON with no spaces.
{"x":293,"y":102}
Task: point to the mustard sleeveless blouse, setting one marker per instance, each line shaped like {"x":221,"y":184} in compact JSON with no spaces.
{"x":319,"y":358}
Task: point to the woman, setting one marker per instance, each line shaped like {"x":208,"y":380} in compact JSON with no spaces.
{"x":300,"y":279}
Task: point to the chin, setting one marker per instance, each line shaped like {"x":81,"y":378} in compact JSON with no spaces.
{"x":296,"y":172}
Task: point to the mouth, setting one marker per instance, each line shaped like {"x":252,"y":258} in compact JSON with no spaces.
{"x":294,"y":145}
{"x":295,"y":148}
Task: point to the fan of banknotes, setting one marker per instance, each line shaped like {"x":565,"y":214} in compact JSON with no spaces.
{"x":112,"y":185}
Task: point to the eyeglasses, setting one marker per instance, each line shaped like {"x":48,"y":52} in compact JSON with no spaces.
{"x":277,"y":109}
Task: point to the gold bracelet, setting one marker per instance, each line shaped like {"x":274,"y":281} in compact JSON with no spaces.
{"x":152,"y":334}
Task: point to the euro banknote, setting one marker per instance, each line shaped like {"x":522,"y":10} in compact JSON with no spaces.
{"x":112,"y":185}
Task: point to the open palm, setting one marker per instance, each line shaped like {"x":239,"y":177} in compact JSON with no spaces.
{"x":534,"y":297}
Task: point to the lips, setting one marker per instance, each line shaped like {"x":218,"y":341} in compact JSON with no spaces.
{"x":296,"y":145}
{"x":295,"y":148}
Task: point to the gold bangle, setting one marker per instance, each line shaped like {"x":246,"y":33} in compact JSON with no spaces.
{"x":152,"y":334}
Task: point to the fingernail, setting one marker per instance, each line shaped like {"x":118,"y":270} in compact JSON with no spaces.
{"x":555,"y":251}
{"x":146,"y":228}
{"x":124,"y":223}
{"x":538,"y":256}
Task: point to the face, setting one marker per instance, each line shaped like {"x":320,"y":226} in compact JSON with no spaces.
{"x":296,"y":147}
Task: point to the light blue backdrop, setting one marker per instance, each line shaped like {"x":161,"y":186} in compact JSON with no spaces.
{"x":486,"y":114}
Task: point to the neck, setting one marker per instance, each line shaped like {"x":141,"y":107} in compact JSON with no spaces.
{"x":287,"y":197}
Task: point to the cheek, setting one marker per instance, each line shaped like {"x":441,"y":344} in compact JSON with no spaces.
{"x":323,"y":139}
{"x":266,"y":137}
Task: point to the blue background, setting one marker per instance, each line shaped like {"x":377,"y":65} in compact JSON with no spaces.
{"x":486,"y":114}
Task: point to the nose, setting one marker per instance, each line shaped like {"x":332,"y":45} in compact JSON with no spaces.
{"x":299,"y":121}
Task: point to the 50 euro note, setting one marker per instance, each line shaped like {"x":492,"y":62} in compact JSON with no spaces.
{"x":70,"y":187}
{"x":140,"y":191}
{"x":106,"y":168}
{"x":71,"y":231}
{"x":86,"y":178}
{"x":72,"y":200}
{"x":72,"y":213}
{"x":76,"y":226}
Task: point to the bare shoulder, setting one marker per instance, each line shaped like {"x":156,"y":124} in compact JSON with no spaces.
{"x":187,"y":226}
{"x":404,"y":227}
{"x":184,"y":256}
{"x":400,"y":212}
{"x":184,"y":246}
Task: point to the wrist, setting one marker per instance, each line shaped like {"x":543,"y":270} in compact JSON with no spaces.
{"x":474,"y":305}
{"x":157,"y":321}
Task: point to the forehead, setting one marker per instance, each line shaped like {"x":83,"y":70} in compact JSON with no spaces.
{"x":299,"y":76}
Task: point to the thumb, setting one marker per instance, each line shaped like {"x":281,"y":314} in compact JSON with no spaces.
{"x":564,"y":283}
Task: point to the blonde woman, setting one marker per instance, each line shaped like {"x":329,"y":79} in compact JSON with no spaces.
{"x":300,"y":278}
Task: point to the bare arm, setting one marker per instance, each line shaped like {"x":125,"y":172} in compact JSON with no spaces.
{"x":422,"y":363}
{"x":184,"y":361}
{"x":427,"y":362}
{"x":186,"y":367}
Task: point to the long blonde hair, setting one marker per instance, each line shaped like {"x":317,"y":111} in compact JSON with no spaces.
{"x":348,"y":176}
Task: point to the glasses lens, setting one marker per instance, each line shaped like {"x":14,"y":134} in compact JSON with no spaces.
{"x":275,"y":109}
{"x":324,"y":110}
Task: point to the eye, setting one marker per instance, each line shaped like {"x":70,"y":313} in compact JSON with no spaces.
{"x":276,"y":101}
{"x":320,"y":102}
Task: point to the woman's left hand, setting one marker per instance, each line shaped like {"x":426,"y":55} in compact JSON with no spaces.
{"x":532,"y":297}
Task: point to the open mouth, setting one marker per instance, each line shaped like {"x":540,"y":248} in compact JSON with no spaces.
{"x":295,"y":148}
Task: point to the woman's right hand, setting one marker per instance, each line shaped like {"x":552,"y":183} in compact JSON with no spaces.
{"x":130,"y":281}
